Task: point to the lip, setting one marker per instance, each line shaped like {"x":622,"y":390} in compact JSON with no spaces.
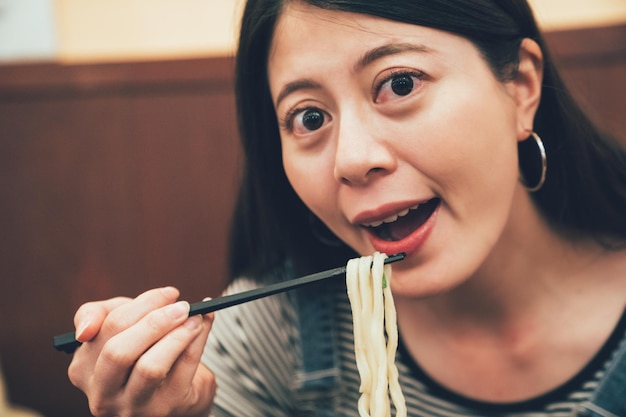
{"x":410,"y":244}
{"x":384,"y":211}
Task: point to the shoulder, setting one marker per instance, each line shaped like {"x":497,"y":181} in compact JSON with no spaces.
{"x":263,"y":322}
{"x":252,"y":352}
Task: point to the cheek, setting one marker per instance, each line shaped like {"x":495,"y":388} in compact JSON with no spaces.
{"x":476,"y":138}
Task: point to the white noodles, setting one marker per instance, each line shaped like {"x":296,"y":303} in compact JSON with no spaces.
{"x":375,"y":336}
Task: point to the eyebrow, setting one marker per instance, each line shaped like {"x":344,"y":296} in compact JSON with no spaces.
{"x":304,"y":84}
{"x":367,"y":58}
{"x":386,"y":50}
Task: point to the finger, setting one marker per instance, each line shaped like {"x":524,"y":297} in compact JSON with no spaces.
{"x":184,"y":369}
{"x":204,"y":388}
{"x":120,"y":353}
{"x":157,"y":366}
{"x":90,"y":316}
{"x":200,"y":394}
{"x":88,"y":321}
{"x":128,"y":314}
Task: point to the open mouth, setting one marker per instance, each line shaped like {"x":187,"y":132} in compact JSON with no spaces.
{"x":393,"y":230}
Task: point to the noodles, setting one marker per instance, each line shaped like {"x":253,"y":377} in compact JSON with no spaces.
{"x":375,"y":336}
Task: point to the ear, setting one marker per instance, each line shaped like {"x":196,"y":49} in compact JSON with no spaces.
{"x":525,"y":88}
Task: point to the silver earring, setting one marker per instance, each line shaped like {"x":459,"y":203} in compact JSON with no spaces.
{"x":544,"y":165}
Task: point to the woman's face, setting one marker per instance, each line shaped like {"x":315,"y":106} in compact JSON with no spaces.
{"x":398,"y":137}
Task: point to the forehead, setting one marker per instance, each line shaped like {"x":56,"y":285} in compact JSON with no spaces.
{"x":306,"y":35}
{"x":303,"y":20}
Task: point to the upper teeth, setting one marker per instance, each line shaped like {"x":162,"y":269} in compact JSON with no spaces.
{"x":391,"y":218}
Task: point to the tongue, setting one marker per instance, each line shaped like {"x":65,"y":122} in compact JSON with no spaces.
{"x":406,"y":225}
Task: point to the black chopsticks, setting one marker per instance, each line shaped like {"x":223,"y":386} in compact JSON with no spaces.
{"x":67,"y":342}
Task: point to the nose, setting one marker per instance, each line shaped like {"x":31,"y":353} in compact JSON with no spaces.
{"x":362,"y":154}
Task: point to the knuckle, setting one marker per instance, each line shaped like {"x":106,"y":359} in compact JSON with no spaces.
{"x":74,"y":373}
{"x":115,"y":354}
{"x":112,"y":325}
{"x":98,"y":410}
{"x":95,"y":409}
{"x":154,"y":321}
{"x":116,"y":318}
{"x":150,"y":371}
{"x":208,"y":381}
{"x":210,"y":385}
{"x":211,"y":381}
{"x":99,"y":407}
{"x":95,"y":308}
{"x":187,"y":357}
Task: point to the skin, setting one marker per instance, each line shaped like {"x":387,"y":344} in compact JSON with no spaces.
{"x":482,"y":302}
{"x":491,"y":302}
{"x":143,"y":357}
{"x":389,"y":151}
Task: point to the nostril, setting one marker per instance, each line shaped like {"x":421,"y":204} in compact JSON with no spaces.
{"x":374,"y":170}
{"x":362,"y":180}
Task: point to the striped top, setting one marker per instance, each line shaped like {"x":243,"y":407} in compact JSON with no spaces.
{"x":254,"y":352}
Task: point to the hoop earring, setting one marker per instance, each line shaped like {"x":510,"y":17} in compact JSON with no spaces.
{"x":323,"y":233}
{"x":543,"y":163}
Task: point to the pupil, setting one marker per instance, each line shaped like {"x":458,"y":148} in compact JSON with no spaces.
{"x":312,"y":119}
{"x":402,"y":85}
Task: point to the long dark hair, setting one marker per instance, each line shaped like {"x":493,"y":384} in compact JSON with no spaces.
{"x":584,"y":193}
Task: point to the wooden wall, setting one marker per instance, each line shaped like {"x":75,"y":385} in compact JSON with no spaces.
{"x":593,"y":62}
{"x":116,"y":178}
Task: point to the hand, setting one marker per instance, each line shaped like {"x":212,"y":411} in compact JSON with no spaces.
{"x":141,"y":357}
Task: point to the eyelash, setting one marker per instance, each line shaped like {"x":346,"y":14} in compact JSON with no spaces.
{"x":394,"y":73}
{"x":286,"y":121}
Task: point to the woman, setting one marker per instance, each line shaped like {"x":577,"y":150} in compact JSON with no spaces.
{"x":400,"y":125}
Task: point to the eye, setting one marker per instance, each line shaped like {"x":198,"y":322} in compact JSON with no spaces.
{"x":398,"y":84}
{"x":311,"y":119}
{"x":303,"y":121}
{"x":402,"y":85}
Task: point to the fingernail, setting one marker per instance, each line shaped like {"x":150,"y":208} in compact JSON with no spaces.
{"x":193,"y":323}
{"x":207,"y":299}
{"x":177,"y":310}
{"x":81,"y":329}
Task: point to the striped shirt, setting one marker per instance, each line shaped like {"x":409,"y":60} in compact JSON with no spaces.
{"x":254,"y":351}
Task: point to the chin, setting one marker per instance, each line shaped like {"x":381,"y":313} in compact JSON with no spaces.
{"x":422,"y":281}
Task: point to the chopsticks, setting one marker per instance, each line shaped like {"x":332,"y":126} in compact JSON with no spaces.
{"x":67,"y":342}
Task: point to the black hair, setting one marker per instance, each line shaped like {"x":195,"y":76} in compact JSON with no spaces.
{"x":584,"y":194}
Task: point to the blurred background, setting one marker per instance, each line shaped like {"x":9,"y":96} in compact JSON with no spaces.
{"x":119,"y":156}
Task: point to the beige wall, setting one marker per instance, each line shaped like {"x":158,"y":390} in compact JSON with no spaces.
{"x":91,"y":30}
{"x":566,"y":14}
{"x":101,"y":30}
